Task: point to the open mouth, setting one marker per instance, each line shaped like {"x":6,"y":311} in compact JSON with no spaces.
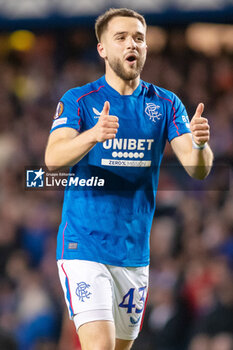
{"x":131,"y":58}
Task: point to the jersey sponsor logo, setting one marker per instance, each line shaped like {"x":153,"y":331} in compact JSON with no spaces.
{"x":152,"y":111}
{"x":127,"y":149}
{"x":97,"y":113}
{"x":128,"y":155}
{"x":59,"y":122}
{"x":82,"y":291}
{"x":129,"y":144}
{"x":127,"y":163}
{"x":59,"y":110}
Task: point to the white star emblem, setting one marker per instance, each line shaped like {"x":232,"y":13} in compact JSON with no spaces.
{"x":39,"y":174}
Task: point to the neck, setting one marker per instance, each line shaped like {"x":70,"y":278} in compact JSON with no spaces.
{"x":124,"y":87}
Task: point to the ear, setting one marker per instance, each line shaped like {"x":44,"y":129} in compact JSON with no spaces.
{"x":101,"y":50}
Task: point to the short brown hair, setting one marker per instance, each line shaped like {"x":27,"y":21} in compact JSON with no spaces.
{"x":103,"y":20}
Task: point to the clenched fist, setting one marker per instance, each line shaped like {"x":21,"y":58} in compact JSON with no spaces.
{"x":200,"y":127}
{"x":107,"y":125}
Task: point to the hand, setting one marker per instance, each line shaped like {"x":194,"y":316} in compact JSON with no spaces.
{"x":200,"y":127}
{"x":107,"y":125}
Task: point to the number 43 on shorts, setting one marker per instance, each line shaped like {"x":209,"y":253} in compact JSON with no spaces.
{"x":128,"y":300}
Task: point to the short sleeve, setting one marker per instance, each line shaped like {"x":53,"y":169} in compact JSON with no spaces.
{"x":178,"y":121}
{"x":67,"y":113}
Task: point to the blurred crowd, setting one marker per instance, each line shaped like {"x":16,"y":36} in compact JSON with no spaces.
{"x":190,"y":305}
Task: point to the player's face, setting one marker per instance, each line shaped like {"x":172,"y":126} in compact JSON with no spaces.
{"x":125,"y":47}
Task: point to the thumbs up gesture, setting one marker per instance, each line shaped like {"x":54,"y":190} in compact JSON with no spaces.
{"x":200,"y":127}
{"x":107,"y":125}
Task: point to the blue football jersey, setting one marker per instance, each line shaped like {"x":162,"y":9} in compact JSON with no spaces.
{"x":108,"y":219}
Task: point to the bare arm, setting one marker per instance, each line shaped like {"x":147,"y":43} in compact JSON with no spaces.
{"x":197,"y":162}
{"x":67,"y":147}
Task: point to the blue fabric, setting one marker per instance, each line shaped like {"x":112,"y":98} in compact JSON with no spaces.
{"x":111,"y":224}
{"x":68,"y":296}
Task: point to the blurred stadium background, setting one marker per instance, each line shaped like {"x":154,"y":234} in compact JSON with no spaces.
{"x":47,"y":47}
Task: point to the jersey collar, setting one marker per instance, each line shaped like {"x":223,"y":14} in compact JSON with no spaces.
{"x":113,"y":92}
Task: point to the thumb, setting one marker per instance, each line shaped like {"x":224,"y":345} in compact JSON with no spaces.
{"x":199,"y":110}
{"x":106,"y":108}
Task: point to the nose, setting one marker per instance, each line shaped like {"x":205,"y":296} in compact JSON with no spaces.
{"x":131,"y":44}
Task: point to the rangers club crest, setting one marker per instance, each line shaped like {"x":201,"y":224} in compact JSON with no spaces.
{"x":152,"y":111}
{"x":82,"y":291}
